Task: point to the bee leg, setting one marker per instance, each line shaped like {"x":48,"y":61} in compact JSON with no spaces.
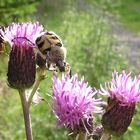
{"x":55,"y":72}
{"x":68,"y":69}
{"x":70,"y":73}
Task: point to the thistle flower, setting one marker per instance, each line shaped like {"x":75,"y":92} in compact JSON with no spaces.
{"x":123,"y":94}
{"x":21,"y":68}
{"x":74,"y":103}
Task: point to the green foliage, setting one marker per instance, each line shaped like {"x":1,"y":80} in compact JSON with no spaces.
{"x":125,"y":10}
{"x":90,"y":49}
{"x":16,"y":10}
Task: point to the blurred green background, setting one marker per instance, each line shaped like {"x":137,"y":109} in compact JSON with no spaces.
{"x":92,"y":31}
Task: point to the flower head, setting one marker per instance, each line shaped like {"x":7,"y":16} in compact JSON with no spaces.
{"x":20,"y":32}
{"x":73,"y":101}
{"x":21,"y":68}
{"x":123,"y":88}
{"x":123,"y":94}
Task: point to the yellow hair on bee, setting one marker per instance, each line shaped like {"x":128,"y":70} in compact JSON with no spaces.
{"x":54,"y":39}
{"x":47,"y":40}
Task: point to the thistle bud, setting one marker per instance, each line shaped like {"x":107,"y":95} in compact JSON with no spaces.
{"x":124,"y":93}
{"x":21,"y":66}
{"x":117,"y":118}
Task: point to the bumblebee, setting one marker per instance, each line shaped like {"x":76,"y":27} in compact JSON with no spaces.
{"x":51,"y":47}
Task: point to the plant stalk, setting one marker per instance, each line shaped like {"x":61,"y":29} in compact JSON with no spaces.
{"x":106,"y":136}
{"x":81,"y":136}
{"x":35,"y":87}
{"x":41,"y":76}
{"x":27,"y":120}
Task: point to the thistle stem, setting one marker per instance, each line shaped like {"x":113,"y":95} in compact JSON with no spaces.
{"x":26,"y":114}
{"x":35,"y":87}
{"x":106,"y":136}
{"x":81,"y":136}
{"x":41,"y":76}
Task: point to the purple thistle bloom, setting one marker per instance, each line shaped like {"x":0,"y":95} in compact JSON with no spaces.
{"x":17,"y":32}
{"x":73,"y":101}
{"x":22,"y":68}
{"x":123,"y":88}
{"x":123,"y":94}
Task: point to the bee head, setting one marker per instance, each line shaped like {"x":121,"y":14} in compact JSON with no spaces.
{"x":64,"y":67}
{"x":61,"y":65}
